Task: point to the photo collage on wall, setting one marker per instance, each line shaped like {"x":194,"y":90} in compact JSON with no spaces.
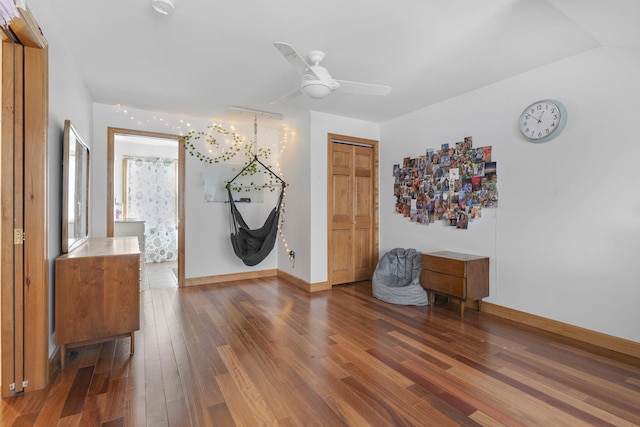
{"x":451,"y":184}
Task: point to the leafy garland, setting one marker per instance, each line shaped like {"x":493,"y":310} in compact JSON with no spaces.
{"x":230,"y":153}
{"x":212,"y":141}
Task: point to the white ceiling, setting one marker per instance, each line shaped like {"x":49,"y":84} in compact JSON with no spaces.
{"x":212,"y":54}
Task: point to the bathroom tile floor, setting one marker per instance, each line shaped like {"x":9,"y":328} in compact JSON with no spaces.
{"x":158,"y":275}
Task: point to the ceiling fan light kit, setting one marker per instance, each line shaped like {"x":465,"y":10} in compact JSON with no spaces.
{"x":315,"y":90}
{"x":165,"y":7}
{"x":316,"y":82}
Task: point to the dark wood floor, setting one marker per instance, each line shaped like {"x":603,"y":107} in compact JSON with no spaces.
{"x":263,"y":352}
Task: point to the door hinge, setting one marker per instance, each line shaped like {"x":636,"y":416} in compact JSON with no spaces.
{"x":18,"y":236}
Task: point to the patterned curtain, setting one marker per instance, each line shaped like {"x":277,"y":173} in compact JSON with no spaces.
{"x":150,"y":184}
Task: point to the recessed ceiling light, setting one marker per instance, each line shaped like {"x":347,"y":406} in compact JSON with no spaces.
{"x":165,"y":7}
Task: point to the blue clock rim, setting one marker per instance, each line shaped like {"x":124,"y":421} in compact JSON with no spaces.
{"x":559,"y":128}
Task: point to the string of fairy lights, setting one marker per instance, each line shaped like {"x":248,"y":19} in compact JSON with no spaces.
{"x":215,"y":152}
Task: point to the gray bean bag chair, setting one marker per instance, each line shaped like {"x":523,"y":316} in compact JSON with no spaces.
{"x":397,"y":278}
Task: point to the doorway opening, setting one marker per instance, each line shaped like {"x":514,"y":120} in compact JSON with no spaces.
{"x":146,"y":172}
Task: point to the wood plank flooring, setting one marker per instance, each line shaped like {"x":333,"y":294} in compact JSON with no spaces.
{"x":263,"y":352}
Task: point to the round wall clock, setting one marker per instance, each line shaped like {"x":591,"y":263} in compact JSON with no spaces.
{"x":543,"y":120}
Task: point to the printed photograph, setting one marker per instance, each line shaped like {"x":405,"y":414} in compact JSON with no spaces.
{"x":451,"y":184}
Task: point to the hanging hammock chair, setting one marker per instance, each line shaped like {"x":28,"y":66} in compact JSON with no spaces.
{"x":253,"y":246}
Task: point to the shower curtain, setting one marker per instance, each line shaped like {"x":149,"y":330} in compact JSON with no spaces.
{"x":150,"y":187}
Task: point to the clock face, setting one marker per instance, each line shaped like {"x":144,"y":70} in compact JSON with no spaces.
{"x":543,"y":120}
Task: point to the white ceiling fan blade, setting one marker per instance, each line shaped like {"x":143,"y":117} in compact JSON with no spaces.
{"x":286,"y":97}
{"x":294,"y":58}
{"x":363,"y":88}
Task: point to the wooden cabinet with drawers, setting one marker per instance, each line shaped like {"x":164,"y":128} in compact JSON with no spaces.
{"x":457,"y":275}
{"x":97,"y":292}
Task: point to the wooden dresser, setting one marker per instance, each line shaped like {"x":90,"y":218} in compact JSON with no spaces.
{"x":97,"y":292}
{"x":461,"y":276}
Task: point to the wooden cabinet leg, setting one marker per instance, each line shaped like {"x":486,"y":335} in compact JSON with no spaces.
{"x":479,"y":305}
{"x":63,"y":355}
{"x":432,"y":297}
{"x":461,"y":308}
{"x":133,"y":348}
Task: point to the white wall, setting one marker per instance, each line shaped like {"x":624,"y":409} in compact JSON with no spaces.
{"x":208,"y":249}
{"x":68,"y":99}
{"x":563,"y":242}
{"x":294,"y":160}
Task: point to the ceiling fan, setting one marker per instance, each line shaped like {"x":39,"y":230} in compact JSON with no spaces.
{"x":316,"y":82}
